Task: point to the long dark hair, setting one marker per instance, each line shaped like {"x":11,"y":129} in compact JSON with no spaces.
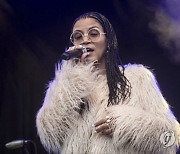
{"x":118,"y":84}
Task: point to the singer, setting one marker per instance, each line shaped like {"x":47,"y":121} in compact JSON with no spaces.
{"x":95,"y":105}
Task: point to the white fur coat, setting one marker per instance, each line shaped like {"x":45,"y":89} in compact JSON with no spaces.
{"x":77,"y":98}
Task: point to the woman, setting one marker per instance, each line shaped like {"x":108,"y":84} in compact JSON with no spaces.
{"x":93,"y":106}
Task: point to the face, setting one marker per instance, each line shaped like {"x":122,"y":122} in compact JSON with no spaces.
{"x":96,"y":48}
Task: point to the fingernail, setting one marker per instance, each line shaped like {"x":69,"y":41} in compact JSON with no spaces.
{"x":80,"y":46}
{"x":109,"y":120}
{"x":107,"y":117}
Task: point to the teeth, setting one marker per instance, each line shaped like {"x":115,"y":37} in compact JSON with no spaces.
{"x":89,"y":49}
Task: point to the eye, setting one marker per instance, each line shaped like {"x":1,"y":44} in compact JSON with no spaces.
{"x":77,"y":36}
{"x":94,"y":33}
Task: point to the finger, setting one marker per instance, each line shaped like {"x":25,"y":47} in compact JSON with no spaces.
{"x":72,"y":48}
{"x":100,"y":122}
{"x":102,"y":127}
{"x":84,"y":57}
{"x":107,"y":131}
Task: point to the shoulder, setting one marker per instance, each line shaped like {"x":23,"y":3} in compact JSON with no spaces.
{"x":135,"y":72}
{"x":134,"y":68}
{"x":137,"y":69}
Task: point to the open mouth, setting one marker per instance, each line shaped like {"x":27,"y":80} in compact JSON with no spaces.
{"x":89,"y":49}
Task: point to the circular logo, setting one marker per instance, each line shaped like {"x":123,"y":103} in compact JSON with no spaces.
{"x":167,"y":139}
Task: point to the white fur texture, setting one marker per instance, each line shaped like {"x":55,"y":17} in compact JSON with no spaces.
{"x":138,"y":122}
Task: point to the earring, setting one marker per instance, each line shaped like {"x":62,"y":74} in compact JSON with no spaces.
{"x":108,"y":48}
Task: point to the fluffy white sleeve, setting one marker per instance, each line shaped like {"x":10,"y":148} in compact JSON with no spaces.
{"x":59,"y":112}
{"x":142,"y":119}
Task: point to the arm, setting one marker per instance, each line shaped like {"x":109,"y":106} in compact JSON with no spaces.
{"x":58,"y":114}
{"x":142,"y":118}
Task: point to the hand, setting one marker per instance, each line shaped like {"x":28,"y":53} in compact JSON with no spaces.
{"x":103,"y":126}
{"x":84,"y":57}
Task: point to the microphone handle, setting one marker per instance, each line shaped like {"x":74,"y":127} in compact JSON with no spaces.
{"x":16,"y":144}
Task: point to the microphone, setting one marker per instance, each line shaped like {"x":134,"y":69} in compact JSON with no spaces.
{"x":73,"y":54}
{"x":16,"y":144}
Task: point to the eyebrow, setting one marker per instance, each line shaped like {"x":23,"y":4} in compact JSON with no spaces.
{"x":93,"y":27}
{"x":88,"y":29}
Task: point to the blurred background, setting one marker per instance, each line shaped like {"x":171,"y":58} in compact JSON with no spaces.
{"x":34,"y":33}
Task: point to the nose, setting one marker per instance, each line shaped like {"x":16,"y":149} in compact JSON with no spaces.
{"x":86,"y":40}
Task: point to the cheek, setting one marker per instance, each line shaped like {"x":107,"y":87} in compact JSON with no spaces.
{"x":101,"y":49}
